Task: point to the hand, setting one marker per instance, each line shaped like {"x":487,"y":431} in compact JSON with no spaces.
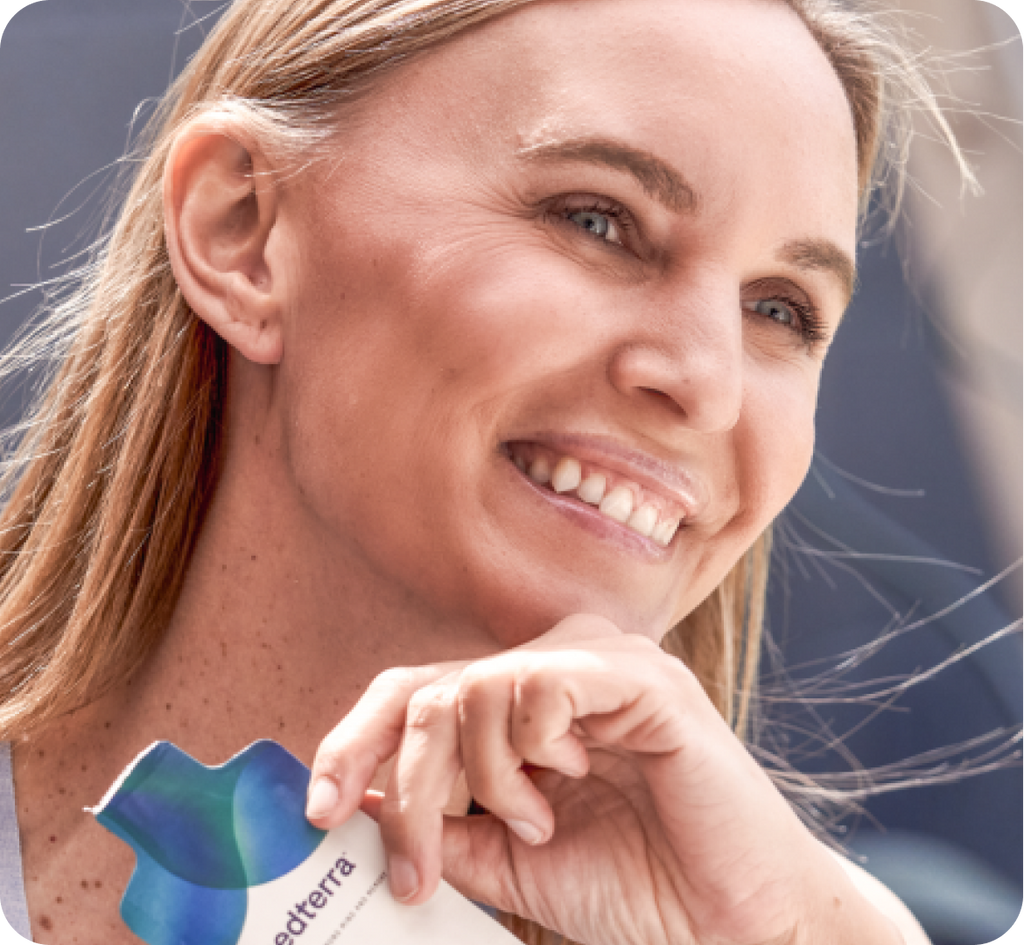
{"x":622,"y":807}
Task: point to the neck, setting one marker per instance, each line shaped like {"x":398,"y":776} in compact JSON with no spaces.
{"x":276,"y":633}
{"x":278,"y":630}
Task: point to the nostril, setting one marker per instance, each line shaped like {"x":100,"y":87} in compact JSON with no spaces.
{"x":664,"y":398}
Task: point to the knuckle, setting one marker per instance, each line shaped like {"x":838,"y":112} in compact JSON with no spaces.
{"x":675,"y":685}
{"x":329,"y":752}
{"x":477,"y":683}
{"x":542,"y":693}
{"x":428,"y":707}
{"x":534,"y":681}
{"x":677,"y":674}
{"x":395,"y":680}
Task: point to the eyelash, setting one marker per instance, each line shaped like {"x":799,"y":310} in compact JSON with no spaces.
{"x":565,"y":207}
{"x":811,"y":327}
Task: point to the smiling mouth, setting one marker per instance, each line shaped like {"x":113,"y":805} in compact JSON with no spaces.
{"x":614,"y":496}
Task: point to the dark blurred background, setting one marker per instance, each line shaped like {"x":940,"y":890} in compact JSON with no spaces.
{"x":915,"y":498}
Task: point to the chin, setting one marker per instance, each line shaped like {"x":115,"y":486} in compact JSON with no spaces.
{"x":524,"y":611}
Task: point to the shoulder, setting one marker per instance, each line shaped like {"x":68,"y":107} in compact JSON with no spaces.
{"x":885,"y":900}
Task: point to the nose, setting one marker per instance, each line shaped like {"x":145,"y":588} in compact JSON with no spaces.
{"x":686,"y":361}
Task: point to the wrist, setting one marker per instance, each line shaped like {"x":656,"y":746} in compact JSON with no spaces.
{"x":845,"y":910}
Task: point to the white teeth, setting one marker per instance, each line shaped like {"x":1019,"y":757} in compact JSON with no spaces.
{"x":566,"y":476}
{"x":664,"y":531}
{"x":618,"y":504}
{"x":643,"y":520}
{"x":540,"y":470}
{"x":592,"y":488}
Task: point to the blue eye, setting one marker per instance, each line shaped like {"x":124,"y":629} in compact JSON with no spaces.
{"x":794,"y":314}
{"x":777,"y":311}
{"x":596,"y":223}
{"x":600,"y":225}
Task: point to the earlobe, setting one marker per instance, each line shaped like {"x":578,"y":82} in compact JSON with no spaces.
{"x":219,"y":212}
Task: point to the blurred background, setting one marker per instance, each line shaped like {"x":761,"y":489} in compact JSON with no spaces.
{"x":909,"y":527}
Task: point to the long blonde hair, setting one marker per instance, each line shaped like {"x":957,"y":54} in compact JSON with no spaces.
{"x":116,"y":463}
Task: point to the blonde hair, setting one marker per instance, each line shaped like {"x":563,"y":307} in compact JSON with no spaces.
{"x":115,"y":466}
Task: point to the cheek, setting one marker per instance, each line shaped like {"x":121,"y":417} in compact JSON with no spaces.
{"x":775,"y":442}
{"x":768,"y":454}
{"x":396,"y":377}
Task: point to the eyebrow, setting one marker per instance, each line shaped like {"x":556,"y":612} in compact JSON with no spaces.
{"x":665,"y":184}
{"x":822,"y":255}
{"x":659,"y":180}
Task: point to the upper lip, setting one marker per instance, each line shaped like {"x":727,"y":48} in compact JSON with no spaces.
{"x":669,"y":480}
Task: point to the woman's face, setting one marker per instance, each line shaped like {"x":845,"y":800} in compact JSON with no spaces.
{"x":604,"y":240}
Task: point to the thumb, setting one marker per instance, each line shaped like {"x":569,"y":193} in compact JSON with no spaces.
{"x":476,"y":861}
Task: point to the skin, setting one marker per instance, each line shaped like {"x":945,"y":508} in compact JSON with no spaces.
{"x":396,"y":316}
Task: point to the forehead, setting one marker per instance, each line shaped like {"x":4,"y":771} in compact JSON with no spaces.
{"x":736,"y":94}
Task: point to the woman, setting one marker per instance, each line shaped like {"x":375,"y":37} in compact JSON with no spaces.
{"x":476,"y":337}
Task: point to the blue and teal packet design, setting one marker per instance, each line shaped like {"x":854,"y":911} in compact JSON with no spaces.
{"x":225,"y":856}
{"x":204,"y":836}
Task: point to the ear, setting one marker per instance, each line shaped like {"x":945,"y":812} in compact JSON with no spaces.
{"x":219,"y":211}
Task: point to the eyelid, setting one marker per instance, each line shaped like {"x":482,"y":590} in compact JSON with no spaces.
{"x":561,"y":206}
{"x":776,"y":284}
{"x":813,"y":326}
{"x":782,"y":288}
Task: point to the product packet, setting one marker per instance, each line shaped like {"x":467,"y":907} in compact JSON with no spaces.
{"x":225,"y":856}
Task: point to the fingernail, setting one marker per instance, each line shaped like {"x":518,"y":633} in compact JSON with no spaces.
{"x":323,"y":798}
{"x":402,"y":875}
{"x":527,"y":832}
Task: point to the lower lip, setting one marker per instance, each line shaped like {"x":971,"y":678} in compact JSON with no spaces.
{"x":596,"y":523}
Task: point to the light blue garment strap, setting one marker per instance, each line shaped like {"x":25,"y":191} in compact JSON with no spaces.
{"x":12,"y":881}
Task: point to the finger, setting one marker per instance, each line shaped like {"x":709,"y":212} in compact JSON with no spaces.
{"x":349,"y":756}
{"x":476,"y":862}
{"x":424,"y":774}
{"x":615,"y":694}
{"x":493,"y":769}
{"x":544,"y":710}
